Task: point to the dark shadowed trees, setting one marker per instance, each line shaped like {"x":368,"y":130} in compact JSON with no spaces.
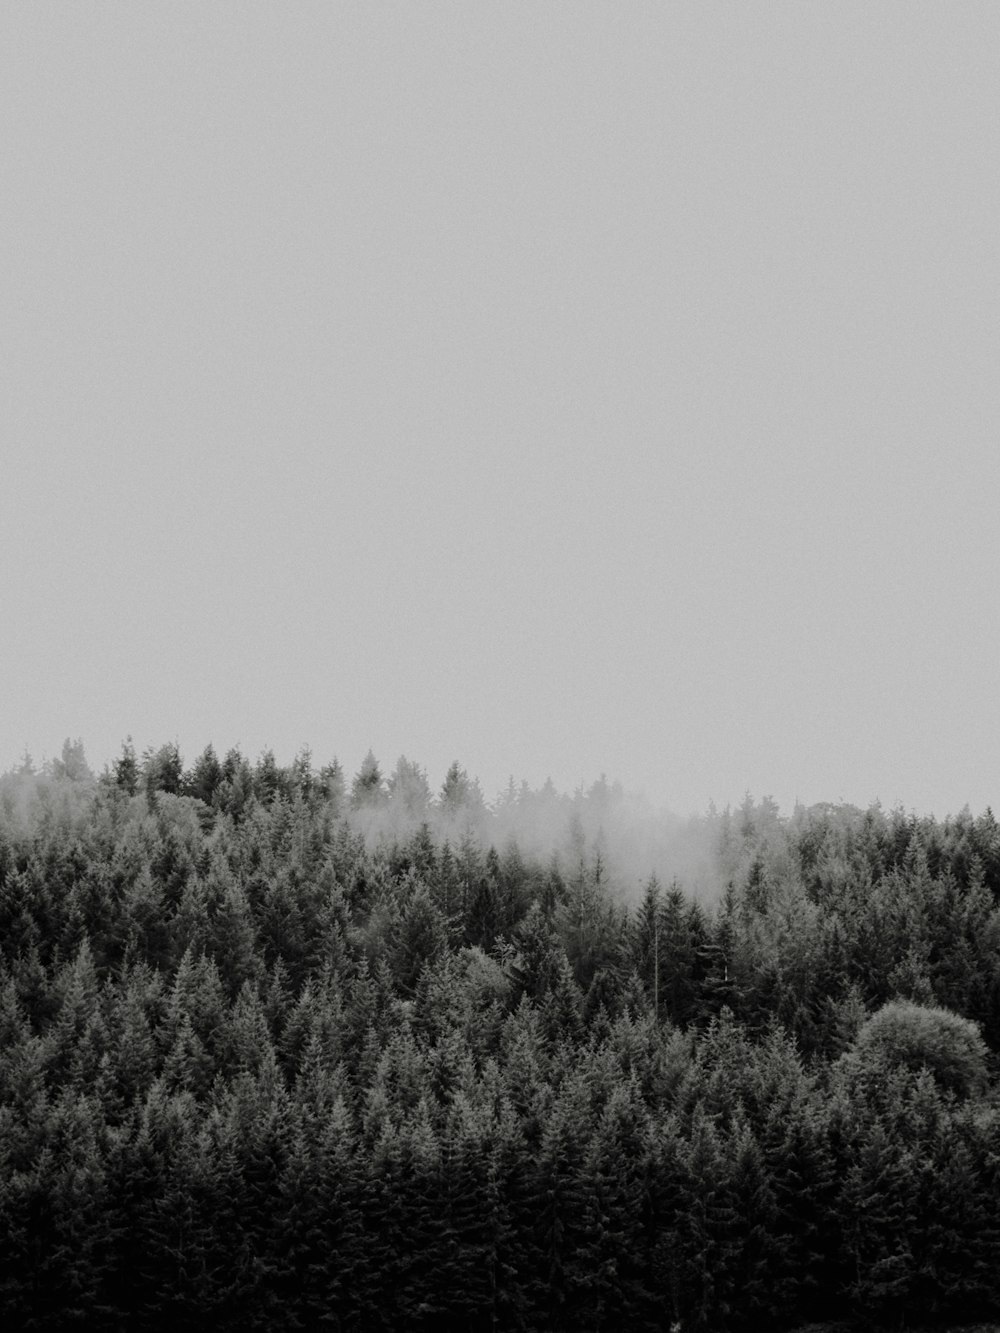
{"x":270,"y":1057}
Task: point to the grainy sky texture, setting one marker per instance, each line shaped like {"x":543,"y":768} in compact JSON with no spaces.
{"x":561,"y":388}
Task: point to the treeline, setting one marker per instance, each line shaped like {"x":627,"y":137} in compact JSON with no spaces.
{"x":273,"y":1055}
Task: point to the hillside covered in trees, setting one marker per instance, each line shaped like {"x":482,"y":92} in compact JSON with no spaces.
{"x":280,"y":1048}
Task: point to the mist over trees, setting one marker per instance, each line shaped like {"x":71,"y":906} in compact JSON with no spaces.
{"x":286,"y":1046}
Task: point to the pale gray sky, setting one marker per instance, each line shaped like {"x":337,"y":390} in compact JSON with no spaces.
{"x":555,"y":387}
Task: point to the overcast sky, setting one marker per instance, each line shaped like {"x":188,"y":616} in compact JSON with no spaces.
{"x":561,"y":388}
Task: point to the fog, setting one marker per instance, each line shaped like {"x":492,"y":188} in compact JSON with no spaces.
{"x":566,"y":392}
{"x":601,"y":831}
{"x":604,"y":829}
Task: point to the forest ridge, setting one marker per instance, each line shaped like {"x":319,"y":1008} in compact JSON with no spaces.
{"x":282,"y":1049}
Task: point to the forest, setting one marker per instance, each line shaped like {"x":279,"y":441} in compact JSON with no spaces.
{"x":284,"y":1048}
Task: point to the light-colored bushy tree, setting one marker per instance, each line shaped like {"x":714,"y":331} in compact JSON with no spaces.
{"x":916,"y":1036}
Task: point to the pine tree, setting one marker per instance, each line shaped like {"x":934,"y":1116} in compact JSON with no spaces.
{"x":564,"y":1280}
{"x":78,"y":1030}
{"x":205,"y":777}
{"x":126,"y":769}
{"x":614,"y":1248}
{"x":876,"y":1208}
{"x":419,"y":939}
{"x":701,"y":1219}
{"x":756,"y":1243}
{"x":368,"y":788}
{"x":646,"y":952}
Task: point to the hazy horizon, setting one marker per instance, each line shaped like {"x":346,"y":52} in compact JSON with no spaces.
{"x":558,"y":390}
{"x":494,"y":800}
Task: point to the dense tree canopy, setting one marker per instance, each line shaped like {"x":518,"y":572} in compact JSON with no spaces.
{"x":276,"y":1053}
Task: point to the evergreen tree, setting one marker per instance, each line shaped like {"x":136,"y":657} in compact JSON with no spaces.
{"x":368,"y":788}
{"x":876,"y":1207}
{"x":419,"y":938}
{"x":205,"y":777}
{"x":126,"y":769}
